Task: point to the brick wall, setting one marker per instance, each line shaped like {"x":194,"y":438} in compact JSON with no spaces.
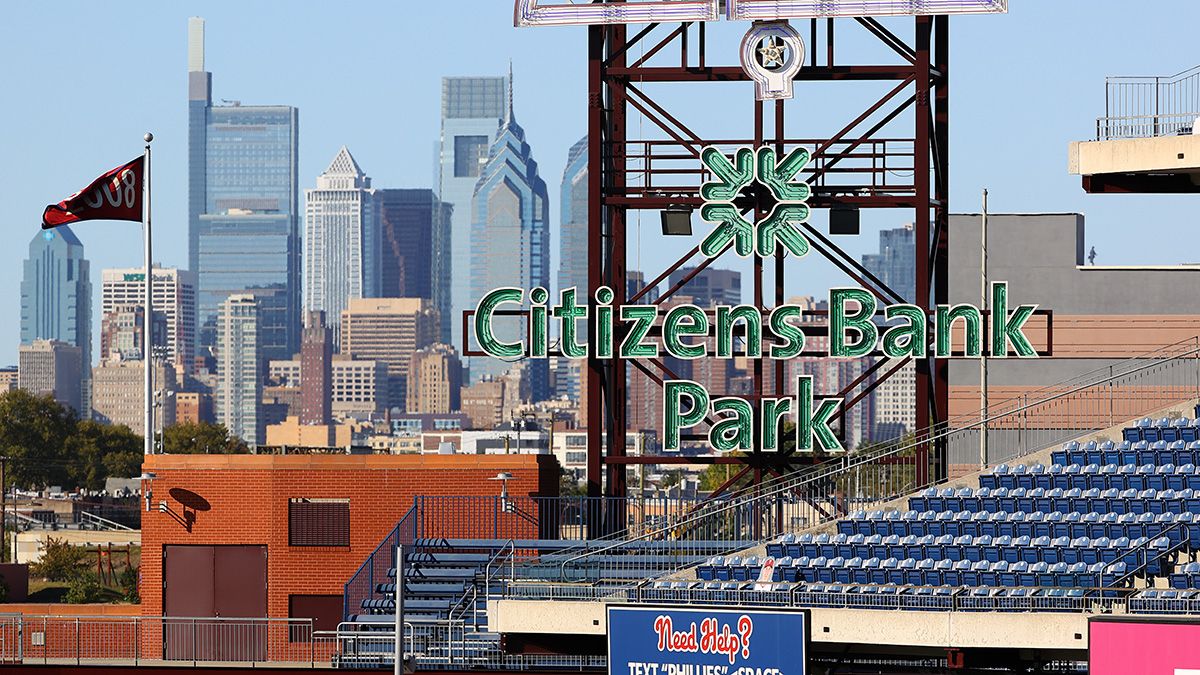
{"x":248,"y":495}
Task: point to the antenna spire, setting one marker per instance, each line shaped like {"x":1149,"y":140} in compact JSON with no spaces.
{"x":510,"y":91}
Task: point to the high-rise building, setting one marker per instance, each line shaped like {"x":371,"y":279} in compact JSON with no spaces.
{"x":510,"y":239}
{"x":357,"y":387}
{"x":896,"y":262}
{"x":52,"y":367}
{"x":118,"y":393}
{"x":173,"y":295}
{"x":9,"y":377}
{"x":389,"y":330}
{"x":316,"y":363}
{"x":239,"y":380}
{"x":121,"y":333}
{"x":710,"y":287}
{"x":56,"y":303}
{"x":472,"y":109}
{"x":414,"y":234}
{"x":341,"y":238}
{"x":434,"y":380}
{"x":483,"y":404}
{"x":573,"y":216}
{"x":243,"y":205}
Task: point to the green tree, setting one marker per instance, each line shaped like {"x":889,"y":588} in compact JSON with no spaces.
{"x":97,"y":451}
{"x":33,"y":433}
{"x":60,"y":561}
{"x":191,"y":438}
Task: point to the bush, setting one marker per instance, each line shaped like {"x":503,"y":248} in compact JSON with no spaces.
{"x":128,"y":582}
{"x":85,"y":588}
{"x":60,"y":561}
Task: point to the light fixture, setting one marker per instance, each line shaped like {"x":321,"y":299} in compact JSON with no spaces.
{"x":676,"y":221}
{"x":147,"y":479}
{"x":506,"y":504}
{"x":844,"y":219}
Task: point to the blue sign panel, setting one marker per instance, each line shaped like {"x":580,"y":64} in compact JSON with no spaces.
{"x":700,"y":641}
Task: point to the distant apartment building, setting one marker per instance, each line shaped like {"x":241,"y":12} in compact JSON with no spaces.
{"x":389,"y":330}
{"x":173,"y":295}
{"x":118,"y":395}
{"x":573,"y":219}
{"x":239,"y":378}
{"x":9,"y":378}
{"x":483,"y":404}
{"x":193,"y":407}
{"x":710,"y":287}
{"x":52,"y":367}
{"x":357,"y":387}
{"x":316,"y":364}
{"x":414,"y":244}
{"x":434,"y":380}
{"x":56,"y":303}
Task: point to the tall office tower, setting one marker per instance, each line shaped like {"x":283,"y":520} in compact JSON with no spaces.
{"x":389,"y":330}
{"x":573,"y":233}
{"x":341,"y":238}
{"x":56,"y":302}
{"x":118,"y":393}
{"x":239,"y":358}
{"x":435,"y":380}
{"x":896,"y":261}
{"x":414,"y":234}
{"x":52,"y":367}
{"x":173,"y":294}
{"x":121,"y":333}
{"x":472,"y":110}
{"x":316,"y":368}
{"x":243,"y":205}
{"x":510,"y":239}
{"x":710,"y":287}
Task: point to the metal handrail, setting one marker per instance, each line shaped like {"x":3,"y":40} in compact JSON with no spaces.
{"x":88,"y":516}
{"x":1142,"y":549}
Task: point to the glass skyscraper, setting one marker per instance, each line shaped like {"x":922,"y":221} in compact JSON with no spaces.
{"x":414,"y":235}
{"x":573,"y":242}
{"x":510,"y":239}
{"x":896,"y":261}
{"x":472,"y":110}
{"x":56,"y":299}
{"x":243,"y":204}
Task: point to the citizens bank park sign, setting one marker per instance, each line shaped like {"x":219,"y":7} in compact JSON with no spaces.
{"x":587,"y":329}
{"x":699,"y":641}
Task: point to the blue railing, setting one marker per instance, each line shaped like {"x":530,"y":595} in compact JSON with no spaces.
{"x":374,"y":569}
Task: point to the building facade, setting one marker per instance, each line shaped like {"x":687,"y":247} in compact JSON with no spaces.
{"x":243,"y":204}
{"x":472,"y":110}
{"x":573,"y":219}
{"x":52,"y":367}
{"x":238,"y":400}
{"x":173,"y":296}
{"x":389,"y":330}
{"x":56,"y":303}
{"x":510,"y":239}
{"x":710,"y":287}
{"x":357,"y":387}
{"x":316,"y":364}
{"x":119,"y":391}
{"x":414,"y":242}
{"x":896,"y":262}
{"x":434,"y":380}
{"x":341,"y":238}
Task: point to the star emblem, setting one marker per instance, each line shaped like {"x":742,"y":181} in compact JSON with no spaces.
{"x":772,"y":52}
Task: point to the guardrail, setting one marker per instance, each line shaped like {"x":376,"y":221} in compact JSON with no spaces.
{"x":140,"y":640}
{"x":1145,"y":107}
{"x":374,"y":569}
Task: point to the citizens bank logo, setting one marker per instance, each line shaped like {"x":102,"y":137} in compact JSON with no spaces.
{"x":744,"y":182}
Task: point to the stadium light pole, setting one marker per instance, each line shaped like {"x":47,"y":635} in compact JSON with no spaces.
{"x":983,"y":360}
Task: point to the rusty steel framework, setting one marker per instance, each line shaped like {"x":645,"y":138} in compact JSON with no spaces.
{"x":855,"y":167}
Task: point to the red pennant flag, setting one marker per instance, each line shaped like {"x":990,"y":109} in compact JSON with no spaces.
{"x":117,"y":195}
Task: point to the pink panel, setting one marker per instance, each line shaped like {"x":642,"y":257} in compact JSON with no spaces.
{"x":1128,"y":648}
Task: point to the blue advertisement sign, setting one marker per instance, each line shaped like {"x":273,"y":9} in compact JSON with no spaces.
{"x":701,"y":641}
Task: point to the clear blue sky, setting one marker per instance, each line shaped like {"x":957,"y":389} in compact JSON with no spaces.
{"x":83,"y":80}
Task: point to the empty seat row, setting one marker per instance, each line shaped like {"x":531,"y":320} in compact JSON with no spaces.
{"x":1186,"y":577}
{"x":1178,"y":527}
{"x":991,"y":549}
{"x":1058,"y":499}
{"x":1165,"y":429}
{"x":1165,"y":601}
{"x":1118,"y":476}
{"x":1181,"y":451}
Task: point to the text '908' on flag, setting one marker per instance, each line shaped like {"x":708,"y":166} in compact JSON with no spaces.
{"x":117,"y":195}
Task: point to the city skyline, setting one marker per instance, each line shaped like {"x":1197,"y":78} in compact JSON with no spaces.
{"x":1022,"y":180}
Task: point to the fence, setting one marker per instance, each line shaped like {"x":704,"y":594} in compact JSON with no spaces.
{"x":138,"y":640}
{"x":375,"y":568}
{"x":823,"y":493}
{"x":1145,"y":107}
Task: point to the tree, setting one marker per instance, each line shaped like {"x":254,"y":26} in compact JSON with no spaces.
{"x":33,"y":434}
{"x":191,"y":438}
{"x":97,"y":451}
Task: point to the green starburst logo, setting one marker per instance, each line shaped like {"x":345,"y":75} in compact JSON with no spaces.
{"x":731,"y":178}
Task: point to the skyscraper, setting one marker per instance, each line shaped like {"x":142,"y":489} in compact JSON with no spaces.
{"x":341,"y":238}
{"x":434,"y":380}
{"x":896,"y":261}
{"x":710,"y":287}
{"x":174,"y":298}
{"x":414,"y":233}
{"x":316,"y":368}
{"x":52,"y":367}
{"x":56,"y":302}
{"x":894,"y":400}
{"x":239,"y":380}
{"x":510,"y":238}
{"x":389,"y":330}
{"x":243,"y":204}
{"x":472,"y":110}
{"x":573,"y":242}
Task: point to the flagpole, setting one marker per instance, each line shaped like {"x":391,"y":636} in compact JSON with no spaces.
{"x":148,"y":310}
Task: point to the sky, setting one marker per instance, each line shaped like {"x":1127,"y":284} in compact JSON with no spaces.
{"x":82,"y":81}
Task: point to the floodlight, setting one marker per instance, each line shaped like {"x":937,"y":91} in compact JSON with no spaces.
{"x":676,"y":221}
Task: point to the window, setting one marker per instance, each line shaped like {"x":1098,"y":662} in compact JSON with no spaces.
{"x":318,"y":522}
{"x":469,"y":155}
